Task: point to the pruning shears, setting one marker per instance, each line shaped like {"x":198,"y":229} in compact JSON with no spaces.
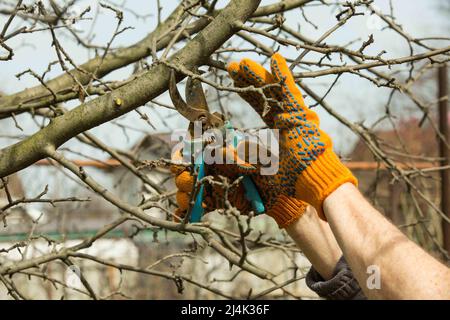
{"x":196,"y":110}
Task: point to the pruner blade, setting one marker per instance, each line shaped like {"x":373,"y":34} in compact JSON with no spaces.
{"x":196,"y":107}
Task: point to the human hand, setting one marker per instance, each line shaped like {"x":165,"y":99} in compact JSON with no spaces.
{"x":225,"y":189}
{"x":309,"y":169}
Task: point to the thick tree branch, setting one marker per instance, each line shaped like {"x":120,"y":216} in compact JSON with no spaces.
{"x":112,"y":61}
{"x":126,"y":98}
{"x":160,"y":37}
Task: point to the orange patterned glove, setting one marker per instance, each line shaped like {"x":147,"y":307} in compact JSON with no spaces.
{"x":309,"y":169}
{"x":283,"y":209}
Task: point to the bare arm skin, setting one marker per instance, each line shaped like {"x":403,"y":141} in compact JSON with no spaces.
{"x":314,"y":237}
{"x":367,"y":238}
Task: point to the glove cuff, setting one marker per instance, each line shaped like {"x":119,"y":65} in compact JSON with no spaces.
{"x":286,"y":210}
{"x":321,"y":178}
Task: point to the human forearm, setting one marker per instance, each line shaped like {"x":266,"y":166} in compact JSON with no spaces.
{"x":309,"y":171}
{"x":314,"y":237}
{"x":369,"y":239}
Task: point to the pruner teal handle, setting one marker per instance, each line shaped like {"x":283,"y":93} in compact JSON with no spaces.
{"x":252,"y":195}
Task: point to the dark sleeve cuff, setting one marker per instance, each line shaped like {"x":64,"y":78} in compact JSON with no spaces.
{"x":342,"y":286}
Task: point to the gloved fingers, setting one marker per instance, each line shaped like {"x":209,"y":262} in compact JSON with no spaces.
{"x":253,"y":98}
{"x":239,"y":80}
{"x":234,"y":163}
{"x":258,"y":76}
{"x":292,"y":94}
{"x":185,"y":181}
{"x":249,"y":73}
{"x":214,"y":193}
{"x":247,"y":159}
{"x":183,"y":199}
{"x":255,"y":73}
